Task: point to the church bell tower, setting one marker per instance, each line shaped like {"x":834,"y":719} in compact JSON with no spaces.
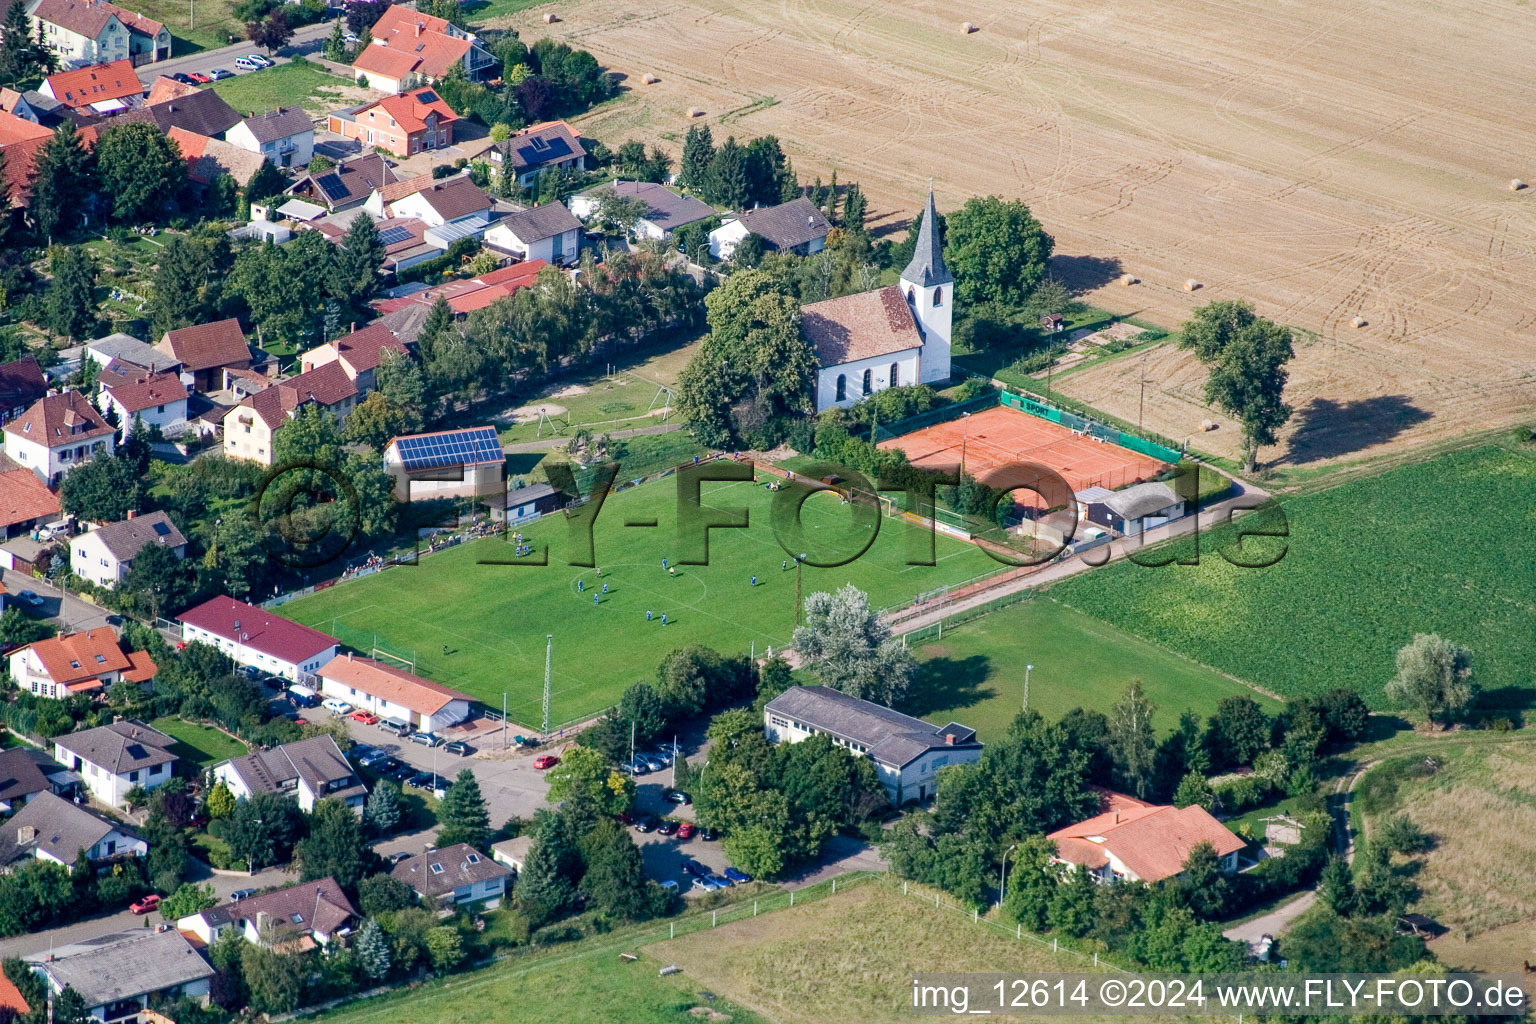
{"x":929,"y":290}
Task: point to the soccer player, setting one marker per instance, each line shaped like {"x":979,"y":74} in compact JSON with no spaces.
{"x":663,"y":618}
{"x":580,"y":586}
{"x":754,"y":581}
{"x":672,"y":571}
{"x":647,"y":615}
{"x":594,"y":598}
{"x":605,"y":588}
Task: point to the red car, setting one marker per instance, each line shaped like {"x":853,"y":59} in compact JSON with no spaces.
{"x":366,"y":717}
{"x":685,"y":830}
{"x":544,"y":761}
{"x":199,"y":77}
{"x":146,"y":905}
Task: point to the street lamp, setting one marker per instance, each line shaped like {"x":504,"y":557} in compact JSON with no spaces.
{"x":1002,"y":889}
{"x":1027,"y":670}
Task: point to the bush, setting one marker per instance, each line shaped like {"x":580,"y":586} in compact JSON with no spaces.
{"x":553,"y":934}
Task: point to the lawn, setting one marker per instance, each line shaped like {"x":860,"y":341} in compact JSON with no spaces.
{"x":492,"y":619}
{"x":214,"y":21}
{"x":974,"y":674}
{"x":201,"y":743}
{"x":297,"y":82}
{"x":1442,"y":546}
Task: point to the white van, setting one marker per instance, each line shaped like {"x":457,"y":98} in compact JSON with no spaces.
{"x":303,"y":696}
{"x":337,"y":707}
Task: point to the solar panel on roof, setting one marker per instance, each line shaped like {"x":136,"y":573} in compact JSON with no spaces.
{"x":162,"y":529}
{"x":331,"y":185}
{"x":427,"y":96}
{"x":392,"y":235}
{"x":455,"y":448}
{"x":542,"y":149}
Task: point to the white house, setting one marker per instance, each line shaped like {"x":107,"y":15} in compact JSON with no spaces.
{"x":466,"y":463}
{"x":546,"y":146}
{"x":907,"y":752}
{"x":90,"y":662}
{"x":437,"y":203}
{"x":796,"y":226}
{"x":308,"y":770}
{"x":53,"y":829}
{"x":130,"y":353}
{"x":104,"y":555}
{"x":393,"y":694}
{"x":117,"y":974}
{"x":285,"y":136}
{"x":1129,"y":840}
{"x":316,"y":910}
{"x":1130,"y":510}
{"x":453,"y":875}
{"x":665,"y":210}
{"x":112,"y":759}
{"x":888,"y":337}
{"x":98,"y":32}
{"x":259,"y":639}
{"x":547,"y":232}
{"x":58,"y":433}
{"x":152,"y":400}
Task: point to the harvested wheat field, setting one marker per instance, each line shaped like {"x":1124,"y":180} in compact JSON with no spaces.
{"x":1330,"y":161}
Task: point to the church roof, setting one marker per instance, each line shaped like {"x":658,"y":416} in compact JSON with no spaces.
{"x":860,"y":326}
{"x":927,"y":267}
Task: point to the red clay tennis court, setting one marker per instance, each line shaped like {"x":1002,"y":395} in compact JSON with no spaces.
{"x":986,"y":441}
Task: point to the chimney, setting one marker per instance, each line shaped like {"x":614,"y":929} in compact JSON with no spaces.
{"x":420,"y":27}
{"x":949,"y":739}
{"x":1117,"y":817}
{"x":25,"y":834}
{"x":263,"y":922}
{"x":131,"y":513}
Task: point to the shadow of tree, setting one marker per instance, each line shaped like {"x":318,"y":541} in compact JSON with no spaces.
{"x":1326,"y":428}
{"x":947,"y":683}
{"x":1085,"y":273}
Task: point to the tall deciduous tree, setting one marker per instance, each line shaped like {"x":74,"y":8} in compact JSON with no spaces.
{"x":1246,"y":356}
{"x":141,"y":170}
{"x":615,"y":880}
{"x":997,"y":251}
{"x":1238,"y":733}
{"x":1132,"y":743}
{"x":1433,"y":676}
{"x":584,"y":781}
{"x":103,"y":490}
{"x":851,"y":650}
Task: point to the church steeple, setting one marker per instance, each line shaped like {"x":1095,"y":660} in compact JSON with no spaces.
{"x":927,"y":267}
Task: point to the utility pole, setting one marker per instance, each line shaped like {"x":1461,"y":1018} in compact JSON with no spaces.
{"x":549,"y":656}
{"x":1141,"y":403}
{"x":1027,"y":670}
{"x":503,"y":719}
{"x":799,"y":561}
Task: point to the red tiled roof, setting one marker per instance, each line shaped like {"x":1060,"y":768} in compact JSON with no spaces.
{"x":81,"y":656}
{"x":397,"y":190}
{"x":327,"y":385}
{"x":402,"y":21}
{"x":167,"y":88}
{"x":452,"y":198}
{"x":11,"y":996}
{"x":94,"y":84}
{"x":21,"y":383}
{"x":58,"y":420}
{"x":364,"y":349}
{"x":388,"y":683}
{"x":90,"y":17}
{"x":410,"y":109}
{"x":20,"y":159}
{"x":860,"y":326}
{"x":142,"y":667}
{"x":259,"y":629}
{"x":191,"y":145}
{"x":466,"y":296}
{"x":147,"y":391}
{"x":386,"y":61}
{"x":15,"y":129}
{"x":23,"y":498}
{"x":205,"y":346}
{"x":1152,"y":841}
{"x":421,"y":37}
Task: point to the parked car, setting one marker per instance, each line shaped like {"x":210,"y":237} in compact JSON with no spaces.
{"x":241,"y":894}
{"x":703,"y":883}
{"x":183,"y":78}
{"x":685,"y":830}
{"x":389,"y":725}
{"x":422,"y":780}
{"x":259,"y":60}
{"x":426,"y":739}
{"x":644,"y":825}
{"x":398,"y":856}
{"x":457,"y":747}
{"x":366,"y":717}
{"x":720,"y":880}
{"x":373,"y":759}
{"x":651,"y":761}
{"x":738,"y":876}
{"x":219,"y":74}
{"x":677,"y":796}
{"x":336,"y":707}
{"x":199,"y":77}
{"x":667,"y":828}
{"x":303,"y":697}
{"x":29,"y":597}
{"x":246,"y":64}
{"x":664,"y":756}
{"x":544,"y":761}
{"x":145,"y":905}
{"x":669,"y":885}
{"x":708,"y":834}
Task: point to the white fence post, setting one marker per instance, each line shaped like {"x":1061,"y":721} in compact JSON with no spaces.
{"x":1095,"y":959}
{"x":935,"y":899}
{"x":975,"y":915}
{"x":754,"y":908}
{"x":1020,"y":932}
{"x":791,"y":897}
{"x":672,"y":930}
{"x":1054,"y":945}
{"x":714,"y":918}
{"x":903,"y":888}
{"x":834,"y":887}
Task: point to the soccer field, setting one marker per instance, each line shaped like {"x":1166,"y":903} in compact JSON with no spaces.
{"x":491,"y":619}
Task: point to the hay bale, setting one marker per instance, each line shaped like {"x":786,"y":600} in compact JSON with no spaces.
{"x":1359,"y":321}
{"x":1191,"y":285}
{"x":1207,"y":425}
{"x":695,"y":112}
{"x":966,"y":28}
{"x":551,"y":17}
{"x":649,"y":79}
{"x":1515,"y":184}
{"x":1129,"y":279}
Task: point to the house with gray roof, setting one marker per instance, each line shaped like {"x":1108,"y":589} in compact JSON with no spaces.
{"x":796,"y":226}
{"x":53,"y":829}
{"x":125,"y":348}
{"x":453,"y":875}
{"x":22,"y":777}
{"x":112,"y":759}
{"x":285,"y":136}
{"x":524,"y":504}
{"x":665,"y":209}
{"x":292,"y":918}
{"x":907,"y":752}
{"x":308,"y":770}
{"x":104,"y":555}
{"x":116,"y":974}
{"x":549,"y":232}
{"x":1130,"y":510}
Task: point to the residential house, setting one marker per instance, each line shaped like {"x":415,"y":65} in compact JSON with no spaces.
{"x":1129,"y":840}
{"x":206,"y":351}
{"x":128,"y":353}
{"x":308,"y":770}
{"x":250,"y":428}
{"x":26,"y":503}
{"x":117,"y":974}
{"x":97,"y":32}
{"x":99,"y":89}
{"x":907,"y":752}
{"x":454,"y":875}
{"x":463,"y":297}
{"x":20,"y":139}
{"x":295,"y":917}
{"x":89,"y":662}
{"x":21,"y":384}
{"x":22,"y":778}
{"x":524,"y":504}
{"x":151,"y":400}
{"x":112,"y":759}
{"x":58,"y":433}
{"x":436,"y":202}
{"x":285,"y":136}
{"x":55,"y":830}
{"x":796,"y":226}
{"x":404,"y":125}
{"x":665,"y":209}
{"x":359,"y":353}
{"x":347,"y":185}
{"x":207,"y":158}
{"x":512,"y":852}
{"x":408,"y":48}
{"x":393,"y":693}
{"x":170,"y":104}
{"x":548,"y":145}
{"x":464,"y":463}
{"x":547,"y":232}
{"x":104,"y":555}
{"x":255,"y":637}
{"x":1131,"y":510}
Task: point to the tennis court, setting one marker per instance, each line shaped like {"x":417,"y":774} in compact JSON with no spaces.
{"x":984,"y":443}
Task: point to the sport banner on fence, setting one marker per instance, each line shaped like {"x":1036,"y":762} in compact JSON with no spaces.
{"x":1102,"y":431}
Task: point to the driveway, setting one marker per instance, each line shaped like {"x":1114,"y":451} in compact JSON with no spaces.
{"x":306,"y":40}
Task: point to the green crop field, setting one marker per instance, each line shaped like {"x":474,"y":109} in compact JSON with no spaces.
{"x":1442,"y":546}
{"x":974,"y":674}
{"x":492,"y":619}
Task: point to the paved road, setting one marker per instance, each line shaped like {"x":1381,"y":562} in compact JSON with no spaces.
{"x":67,"y":613}
{"x":306,"y":40}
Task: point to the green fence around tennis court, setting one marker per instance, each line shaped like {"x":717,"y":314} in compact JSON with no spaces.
{"x":939,"y":414}
{"x":1082,"y":424}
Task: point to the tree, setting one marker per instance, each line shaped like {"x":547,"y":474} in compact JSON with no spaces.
{"x":617,"y":214}
{"x":103,"y":490}
{"x":220,"y":802}
{"x":267,"y":182}
{"x":1246,"y":356}
{"x":615,"y":881}
{"x":1203,"y":884}
{"x":1032,"y":883}
{"x":16,"y":44}
{"x":462,"y":815}
{"x":445,"y":948}
{"x":536,"y":96}
{"x":272,"y":32}
{"x":185,"y":284}
{"x":1238,"y":732}
{"x":336,"y":43}
{"x":187,"y":900}
{"x":764,"y":162}
{"x":162,"y":578}
{"x":69,"y":1008}
{"x":141,"y":170}
{"x":1132,"y":742}
{"x":698,"y":151}
{"x":584,"y":781}
{"x":725,"y":183}
{"x":399,"y":379}
{"x":546,"y":887}
{"x":997,"y":251}
{"x":789,"y":185}
{"x":382,"y":894}
{"x":334,"y":847}
{"x":377,"y":420}
{"x":1433,"y":676}
{"x":382,"y":811}
{"x":854,"y":209}
{"x":1194,"y":789}
{"x":71,"y":300}
{"x":1337,"y":886}
{"x":261,"y":830}
{"x":1071,"y":908}
{"x":275,"y":980}
{"x":749,"y":251}
{"x":62,"y":180}
{"x":851,"y":650}
{"x":355,"y":273}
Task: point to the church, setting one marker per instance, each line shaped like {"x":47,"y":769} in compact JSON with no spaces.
{"x":887,"y":337}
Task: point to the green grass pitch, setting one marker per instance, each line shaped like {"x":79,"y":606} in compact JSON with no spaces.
{"x":493,"y":619}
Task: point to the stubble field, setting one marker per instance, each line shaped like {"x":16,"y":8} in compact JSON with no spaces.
{"x":1325,"y":160}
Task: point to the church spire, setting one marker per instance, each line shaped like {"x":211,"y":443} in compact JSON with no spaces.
{"x":927,"y":267}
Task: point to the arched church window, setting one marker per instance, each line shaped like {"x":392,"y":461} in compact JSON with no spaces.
{"x":938,"y":296}
{"x":842,"y":387}
{"x":895,"y":375}
{"x":868,"y":379}
{"x":912,"y":295}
